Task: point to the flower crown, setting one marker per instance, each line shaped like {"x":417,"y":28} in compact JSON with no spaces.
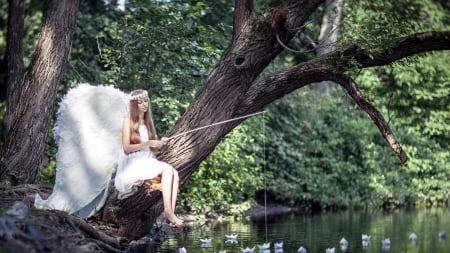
{"x":141,"y":94}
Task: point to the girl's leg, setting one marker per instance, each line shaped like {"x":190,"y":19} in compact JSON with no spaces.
{"x":167,"y":184}
{"x":175,"y":185}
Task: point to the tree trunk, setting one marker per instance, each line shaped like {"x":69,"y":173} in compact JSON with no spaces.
{"x":35,"y":95}
{"x":14,"y":58}
{"x":329,"y":36}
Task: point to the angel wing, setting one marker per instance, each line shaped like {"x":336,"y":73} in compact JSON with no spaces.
{"x":88,"y":135}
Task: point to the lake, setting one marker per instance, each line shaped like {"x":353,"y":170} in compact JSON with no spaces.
{"x":316,"y":233}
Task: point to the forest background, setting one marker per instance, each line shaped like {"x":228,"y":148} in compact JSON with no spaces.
{"x":312,"y":149}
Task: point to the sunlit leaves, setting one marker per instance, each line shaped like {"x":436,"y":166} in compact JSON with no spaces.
{"x":375,"y":25}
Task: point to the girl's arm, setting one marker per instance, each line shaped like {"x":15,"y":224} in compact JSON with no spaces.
{"x":128,"y":147}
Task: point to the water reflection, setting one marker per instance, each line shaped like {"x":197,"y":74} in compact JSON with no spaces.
{"x":412,"y":231}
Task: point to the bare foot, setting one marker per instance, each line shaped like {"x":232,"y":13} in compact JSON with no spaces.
{"x":174,"y":224}
{"x":174,"y":221}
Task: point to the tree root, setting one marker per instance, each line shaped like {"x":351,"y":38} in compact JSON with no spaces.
{"x":52,"y":231}
{"x":97,"y":235}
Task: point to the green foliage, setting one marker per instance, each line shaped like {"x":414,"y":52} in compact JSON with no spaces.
{"x":328,"y":151}
{"x":85,"y":64}
{"x":317,"y":148}
{"x":325,"y":150}
{"x":415,"y":97}
{"x":230,"y":175}
{"x":32,"y":25}
{"x":163,"y":48}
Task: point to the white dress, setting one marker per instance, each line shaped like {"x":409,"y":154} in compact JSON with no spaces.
{"x":136,"y":167}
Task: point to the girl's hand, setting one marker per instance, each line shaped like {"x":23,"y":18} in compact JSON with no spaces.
{"x":156,"y":144}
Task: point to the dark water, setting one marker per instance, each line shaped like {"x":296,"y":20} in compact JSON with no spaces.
{"x":319,"y":232}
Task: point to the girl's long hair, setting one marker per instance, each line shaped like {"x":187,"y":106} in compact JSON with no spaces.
{"x":134,"y":121}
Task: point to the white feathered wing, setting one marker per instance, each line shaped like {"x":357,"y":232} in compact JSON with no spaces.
{"x":88,"y":135}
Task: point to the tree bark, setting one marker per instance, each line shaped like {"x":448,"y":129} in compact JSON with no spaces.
{"x":35,"y":95}
{"x":14,"y":58}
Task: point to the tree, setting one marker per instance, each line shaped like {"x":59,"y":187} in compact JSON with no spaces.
{"x":232,"y":89}
{"x":236,"y":87}
{"x":31,"y":93}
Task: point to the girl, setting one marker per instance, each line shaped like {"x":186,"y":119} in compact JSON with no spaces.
{"x":139,"y":141}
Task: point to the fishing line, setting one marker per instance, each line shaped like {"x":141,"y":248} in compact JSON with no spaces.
{"x":264,"y":172}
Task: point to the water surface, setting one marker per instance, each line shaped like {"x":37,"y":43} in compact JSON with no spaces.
{"x":319,"y":232}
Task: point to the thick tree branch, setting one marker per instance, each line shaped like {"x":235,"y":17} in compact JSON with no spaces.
{"x":299,"y":11}
{"x":355,"y":93}
{"x":243,"y":13}
{"x":332,"y":66}
{"x":296,"y":14}
{"x":283,"y":82}
{"x":406,"y":46}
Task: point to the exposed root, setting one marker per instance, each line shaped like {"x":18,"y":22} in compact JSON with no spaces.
{"x":51,"y":231}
